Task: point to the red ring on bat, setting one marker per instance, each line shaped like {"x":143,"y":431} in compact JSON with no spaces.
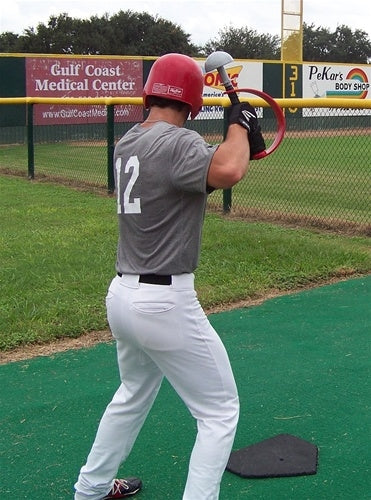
{"x":280,"y":119}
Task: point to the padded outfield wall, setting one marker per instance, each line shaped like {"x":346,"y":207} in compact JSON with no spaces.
{"x":36,"y":75}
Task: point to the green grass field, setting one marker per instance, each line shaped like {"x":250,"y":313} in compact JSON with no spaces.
{"x":79,"y":162}
{"x":313,"y":177}
{"x":322,"y":177}
{"x":57,"y":253}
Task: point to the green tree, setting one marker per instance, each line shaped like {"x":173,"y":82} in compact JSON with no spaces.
{"x":125,"y":33}
{"x":58,"y":36}
{"x":133,"y":33}
{"x":244,"y":43}
{"x":8,"y":42}
{"x":342,"y":45}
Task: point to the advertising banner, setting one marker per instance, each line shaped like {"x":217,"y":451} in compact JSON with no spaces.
{"x":336,"y":81}
{"x":83,"y":77}
{"x":242,"y":75}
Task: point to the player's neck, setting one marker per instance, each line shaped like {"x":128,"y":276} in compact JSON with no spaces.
{"x":167,"y":115}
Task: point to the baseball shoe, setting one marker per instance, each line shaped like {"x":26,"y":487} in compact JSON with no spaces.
{"x":123,"y":488}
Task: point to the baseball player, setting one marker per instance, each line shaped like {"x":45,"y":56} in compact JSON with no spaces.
{"x":164,"y":173}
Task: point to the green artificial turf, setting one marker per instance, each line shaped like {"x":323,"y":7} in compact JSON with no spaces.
{"x":302,"y":366}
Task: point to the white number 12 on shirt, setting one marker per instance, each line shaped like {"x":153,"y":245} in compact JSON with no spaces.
{"x":130,"y":207}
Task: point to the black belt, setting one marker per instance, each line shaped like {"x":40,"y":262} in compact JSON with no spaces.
{"x":153,"y":279}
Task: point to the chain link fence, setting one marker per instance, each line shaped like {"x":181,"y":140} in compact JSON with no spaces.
{"x":320,"y":176}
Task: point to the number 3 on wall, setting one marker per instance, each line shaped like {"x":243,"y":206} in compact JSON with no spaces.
{"x":130,"y":206}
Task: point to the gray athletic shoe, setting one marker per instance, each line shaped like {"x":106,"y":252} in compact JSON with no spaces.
{"x":123,"y":488}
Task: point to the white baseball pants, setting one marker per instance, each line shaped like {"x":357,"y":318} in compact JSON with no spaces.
{"x":161,"y":331}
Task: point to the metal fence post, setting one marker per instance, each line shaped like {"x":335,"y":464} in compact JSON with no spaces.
{"x":110,"y":147}
{"x":227,"y":193}
{"x":30,"y":142}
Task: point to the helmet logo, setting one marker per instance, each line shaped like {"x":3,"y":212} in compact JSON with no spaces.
{"x":171,"y":90}
{"x":159,"y":88}
{"x":175,"y":91}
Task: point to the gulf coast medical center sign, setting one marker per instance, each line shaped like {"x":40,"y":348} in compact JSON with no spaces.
{"x":83,"y":77}
{"x":63,"y":77}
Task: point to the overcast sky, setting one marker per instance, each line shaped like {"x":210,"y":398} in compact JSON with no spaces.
{"x":201,"y":19}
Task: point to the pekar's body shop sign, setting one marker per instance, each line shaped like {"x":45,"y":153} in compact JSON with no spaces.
{"x":336,"y":81}
{"x":83,"y":77}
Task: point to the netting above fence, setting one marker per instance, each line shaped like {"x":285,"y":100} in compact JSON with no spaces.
{"x":319,"y":176}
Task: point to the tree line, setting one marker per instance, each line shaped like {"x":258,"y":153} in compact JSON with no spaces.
{"x":136,"y":34}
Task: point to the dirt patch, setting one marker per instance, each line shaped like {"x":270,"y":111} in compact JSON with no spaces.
{"x":333,"y":225}
{"x":34,"y":350}
{"x":331,"y":132}
{"x":78,"y":185}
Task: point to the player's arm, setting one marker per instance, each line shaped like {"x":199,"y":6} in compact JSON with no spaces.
{"x":230,"y":161}
{"x":244,"y":139}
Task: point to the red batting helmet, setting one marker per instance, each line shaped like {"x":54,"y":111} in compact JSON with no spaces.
{"x":177,"y":77}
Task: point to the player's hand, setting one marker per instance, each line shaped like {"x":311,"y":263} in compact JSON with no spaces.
{"x":245,"y":115}
{"x":256,"y":141}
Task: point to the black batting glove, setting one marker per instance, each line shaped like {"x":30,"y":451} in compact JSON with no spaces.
{"x":256,"y":141}
{"x":245,"y":115}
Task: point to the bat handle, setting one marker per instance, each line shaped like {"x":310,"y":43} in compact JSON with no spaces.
{"x":226,"y":82}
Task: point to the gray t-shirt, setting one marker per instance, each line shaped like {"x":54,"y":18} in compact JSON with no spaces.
{"x":161,"y":186}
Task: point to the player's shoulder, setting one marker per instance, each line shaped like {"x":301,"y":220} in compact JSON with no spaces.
{"x":187,"y":134}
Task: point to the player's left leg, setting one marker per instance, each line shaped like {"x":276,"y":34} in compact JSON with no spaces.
{"x":119,"y":427}
{"x":126,"y":413}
